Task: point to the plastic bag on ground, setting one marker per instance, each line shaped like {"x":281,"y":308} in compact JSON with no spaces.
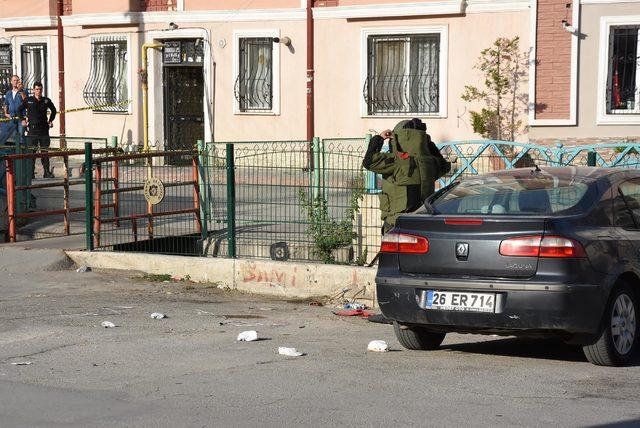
{"x":158,"y":316}
{"x":354,"y":305}
{"x":83,"y":269}
{"x":107,"y":324}
{"x":378,"y":346}
{"x":289,"y":352}
{"x":248,"y":336}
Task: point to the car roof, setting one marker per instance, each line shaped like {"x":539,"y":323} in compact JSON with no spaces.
{"x":587,"y":173}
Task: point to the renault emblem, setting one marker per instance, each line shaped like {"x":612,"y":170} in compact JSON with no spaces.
{"x":462,"y":250}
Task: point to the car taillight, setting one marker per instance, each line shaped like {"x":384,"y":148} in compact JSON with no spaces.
{"x":557,"y":246}
{"x":522,"y":246}
{"x":396,"y":242}
{"x":539,"y":246}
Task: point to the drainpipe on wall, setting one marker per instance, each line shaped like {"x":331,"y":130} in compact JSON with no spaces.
{"x":144,"y":77}
{"x":310,"y":66}
{"x":61,"y":106}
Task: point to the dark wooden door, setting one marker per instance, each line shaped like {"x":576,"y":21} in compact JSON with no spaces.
{"x":183,"y":108}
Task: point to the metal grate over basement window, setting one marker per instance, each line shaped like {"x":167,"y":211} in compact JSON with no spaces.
{"x":403,"y":74}
{"x":107,"y":87}
{"x":623,"y":83}
{"x":254,"y":84}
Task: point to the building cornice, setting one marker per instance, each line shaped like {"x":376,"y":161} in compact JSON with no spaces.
{"x":607,"y":1}
{"x":184,"y":17}
{"x":443,"y":7}
{"x":489,"y":6}
{"x":446,"y":7}
{"x":28,"y":22}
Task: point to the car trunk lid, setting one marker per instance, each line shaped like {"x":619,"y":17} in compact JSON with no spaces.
{"x":469,"y":246}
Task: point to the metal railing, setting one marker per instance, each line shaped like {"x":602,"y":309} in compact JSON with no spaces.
{"x":169,"y":223}
{"x":19,"y":190}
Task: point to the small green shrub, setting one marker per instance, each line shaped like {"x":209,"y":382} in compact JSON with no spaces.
{"x":328,"y":233}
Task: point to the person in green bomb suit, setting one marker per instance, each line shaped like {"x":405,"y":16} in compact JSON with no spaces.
{"x":409,"y":171}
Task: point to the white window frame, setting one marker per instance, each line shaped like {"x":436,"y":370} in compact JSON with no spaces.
{"x":443,"y":31}
{"x":604,"y":117}
{"x":275,"y":103}
{"x":125,"y":37}
{"x":17,"y":58}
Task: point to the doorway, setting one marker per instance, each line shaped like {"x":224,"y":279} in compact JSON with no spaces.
{"x":183,"y":83}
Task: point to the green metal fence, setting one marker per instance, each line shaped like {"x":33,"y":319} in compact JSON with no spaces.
{"x":265,"y":200}
{"x":282,"y":200}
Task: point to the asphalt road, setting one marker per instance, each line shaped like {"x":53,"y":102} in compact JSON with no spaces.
{"x":188,"y":370}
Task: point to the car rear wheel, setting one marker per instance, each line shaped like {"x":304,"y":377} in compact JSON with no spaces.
{"x":417,"y":338}
{"x":618,"y":342}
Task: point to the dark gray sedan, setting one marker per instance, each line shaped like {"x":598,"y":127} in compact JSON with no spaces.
{"x":551,"y":252}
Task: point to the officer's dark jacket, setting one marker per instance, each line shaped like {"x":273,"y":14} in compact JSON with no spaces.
{"x":37,"y":112}
{"x":409,"y":171}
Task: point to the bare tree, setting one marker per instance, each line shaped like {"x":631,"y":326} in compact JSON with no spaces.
{"x":504,"y":67}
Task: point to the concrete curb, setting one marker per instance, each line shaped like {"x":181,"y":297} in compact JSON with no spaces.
{"x":283,"y":279}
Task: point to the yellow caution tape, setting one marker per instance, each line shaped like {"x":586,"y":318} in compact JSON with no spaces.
{"x":74,"y":110}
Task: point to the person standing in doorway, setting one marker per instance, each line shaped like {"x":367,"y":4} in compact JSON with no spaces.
{"x":13,"y":111}
{"x":40,"y":115}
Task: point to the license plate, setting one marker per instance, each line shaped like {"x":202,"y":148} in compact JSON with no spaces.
{"x":454,"y":301}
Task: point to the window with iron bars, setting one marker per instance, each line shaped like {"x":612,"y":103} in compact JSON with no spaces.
{"x":254,"y":84}
{"x":623,"y":83}
{"x":6,"y":70}
{"x":403,"y":74}
{"x":33,"y":57}
{"x":107,"y":87}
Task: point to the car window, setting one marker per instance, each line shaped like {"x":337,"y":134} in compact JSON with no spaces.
{"x":627,"y":205}
{"x":538,"y":193}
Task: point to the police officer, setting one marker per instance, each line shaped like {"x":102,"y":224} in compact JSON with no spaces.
{"x":38,"y":123}
{"x":409,"y":171}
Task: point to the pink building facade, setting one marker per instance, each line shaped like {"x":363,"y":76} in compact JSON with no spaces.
{"x":586,"y":72}
{"x":221,"y":76}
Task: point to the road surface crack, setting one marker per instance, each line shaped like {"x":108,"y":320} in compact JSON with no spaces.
{"x":44,"y":351}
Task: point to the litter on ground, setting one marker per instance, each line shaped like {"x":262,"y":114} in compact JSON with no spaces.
{"x":378,"y":346}
{"x":107,"y":324}
{"x":158,"y":316}
{"x":22,"y":363}
{"x":353,"y":313}
{"x":83,"y":269}
{"x":248,"y":336}
{"x":289,"y":352}
{"x":354,"y":306}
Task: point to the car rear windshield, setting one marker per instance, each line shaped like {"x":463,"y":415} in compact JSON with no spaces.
{"x":534,"y":193}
